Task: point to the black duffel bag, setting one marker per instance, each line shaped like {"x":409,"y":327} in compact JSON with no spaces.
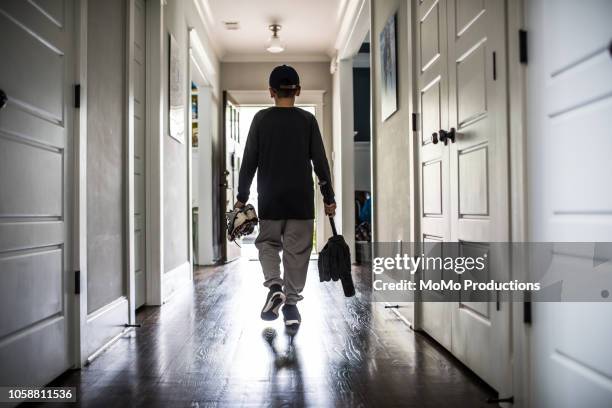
{"x":335,"y":262}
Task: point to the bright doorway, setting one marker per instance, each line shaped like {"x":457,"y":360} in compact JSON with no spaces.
{"x":247,"y":113}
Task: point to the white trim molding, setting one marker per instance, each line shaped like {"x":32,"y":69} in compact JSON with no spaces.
{"x":354,"y":28}
{"x":129,"y":159}
{"x":80,"y":191}
{"x":175,"y":279}
{"x":203,"y":61}
{"x":155,"y":150}
{"x":262,"y":98}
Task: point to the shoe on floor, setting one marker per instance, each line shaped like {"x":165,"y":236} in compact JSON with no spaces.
{"x":274,"y":300}
{"x":292,"y":316}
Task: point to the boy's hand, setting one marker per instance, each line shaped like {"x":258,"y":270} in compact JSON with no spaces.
{"x":239,"y":204}
{"x":330,"y":209}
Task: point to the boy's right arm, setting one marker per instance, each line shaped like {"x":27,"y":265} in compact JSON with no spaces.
{"x":249,"y":164}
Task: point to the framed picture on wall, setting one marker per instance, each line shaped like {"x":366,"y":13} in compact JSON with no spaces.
{"x":388,"y":69}
{"x":176,"y":92}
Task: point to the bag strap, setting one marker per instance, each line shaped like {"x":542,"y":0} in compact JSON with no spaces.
{"x":333,"y":225}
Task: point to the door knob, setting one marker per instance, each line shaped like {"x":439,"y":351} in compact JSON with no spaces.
{"x":3,"y":99}
{"x":452,"y":135}
{"x":434,"y":138}
{"x":446,"y":136}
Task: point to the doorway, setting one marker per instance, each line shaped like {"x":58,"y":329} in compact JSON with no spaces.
{"x":202,"y":124}
{"x":362,"y":152}
{"x":245,"y":104}
{"x":247,"y":112}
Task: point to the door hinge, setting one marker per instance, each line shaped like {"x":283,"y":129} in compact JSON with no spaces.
{"x":77,"y":282}
{"x":414,"y":122}
{"x":77,"y":96}
{"x":494,"y":66}
{"x":523,"y":54}
{"x":527,"y":312}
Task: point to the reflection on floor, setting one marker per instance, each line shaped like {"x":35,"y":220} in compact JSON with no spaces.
{"x":207,"y":347}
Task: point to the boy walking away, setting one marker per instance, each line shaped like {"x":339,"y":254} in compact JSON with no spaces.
{"x":283,"y":145}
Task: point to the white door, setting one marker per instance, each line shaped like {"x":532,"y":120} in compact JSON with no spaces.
{"x":36,"y":73}
{"x":464,"y":182}
{"x":106,"y":308}
{"x":434,"y":170}
{"x":230,"y":168}
{"x":140,"y":150}
{"x":479,"y":179}
{"x":569,"y":105}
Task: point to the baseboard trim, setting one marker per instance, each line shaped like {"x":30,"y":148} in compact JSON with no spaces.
{"x":174,"y":279}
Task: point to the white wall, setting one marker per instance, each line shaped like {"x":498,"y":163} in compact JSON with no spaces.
{"x":178,"y":18}
{"x":362,"y":166}
{"x":343,"y":145}
{"x":390,"y":139}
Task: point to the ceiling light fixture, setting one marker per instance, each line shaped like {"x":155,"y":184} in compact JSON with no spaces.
{"x":274,"y":43}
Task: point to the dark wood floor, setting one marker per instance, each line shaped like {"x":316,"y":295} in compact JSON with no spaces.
{"x":206,"y":348}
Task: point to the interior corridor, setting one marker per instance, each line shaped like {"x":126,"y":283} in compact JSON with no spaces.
{"x":206,"y":348}
{"x":468,"y":145}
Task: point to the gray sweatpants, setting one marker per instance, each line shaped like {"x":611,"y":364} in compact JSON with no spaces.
{"x":294,"y":238}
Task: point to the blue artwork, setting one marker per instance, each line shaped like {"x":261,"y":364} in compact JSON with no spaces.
{"x":388,"y":70}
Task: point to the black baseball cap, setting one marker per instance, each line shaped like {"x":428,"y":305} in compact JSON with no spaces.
{"x":284,"y":77}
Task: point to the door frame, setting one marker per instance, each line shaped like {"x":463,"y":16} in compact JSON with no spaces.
{"x":198,"y":63}
{"x":354,"y":30}
{"x":82,"y":353}
{"x":519,"y":330}
{"x":80,"y":190}
{"x":196,"y":58}
{"x":154,"y":147}
{"x":517,"y":133}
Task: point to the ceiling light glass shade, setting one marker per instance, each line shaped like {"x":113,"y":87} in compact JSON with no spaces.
{"x":274,"y":45}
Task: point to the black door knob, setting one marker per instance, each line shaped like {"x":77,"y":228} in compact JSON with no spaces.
{"x":451,"y":135}
{"x":446,"y":136}
{"x":3,"y":99}
{"x":434,"y":138}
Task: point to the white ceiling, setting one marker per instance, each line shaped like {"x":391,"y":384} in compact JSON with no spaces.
{"x":309,"y":28}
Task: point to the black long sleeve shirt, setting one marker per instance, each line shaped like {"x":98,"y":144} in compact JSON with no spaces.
{"x":281,"y":145}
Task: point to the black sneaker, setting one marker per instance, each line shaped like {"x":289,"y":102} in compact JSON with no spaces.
{"x":292,"y":315}
{"x":275,"y":299}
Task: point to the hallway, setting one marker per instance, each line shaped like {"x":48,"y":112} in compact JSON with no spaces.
{"x":205,"y":348}
{"x":468,"y":139}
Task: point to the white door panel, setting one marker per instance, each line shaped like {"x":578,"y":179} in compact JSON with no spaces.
{"x":479,"y":179}
{"x":464,"y":183}
{"x":107,"y":308}
{"x":434,"y":169}
{"x":569,"y":105}
{"x":35,"y":185}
